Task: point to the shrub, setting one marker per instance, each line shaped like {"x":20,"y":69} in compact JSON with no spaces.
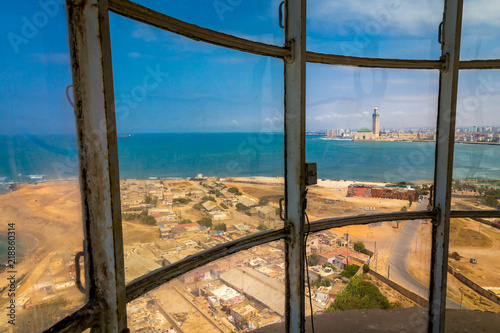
{"x":313,"y":259}
{"x":263,"y":201}
{"x":205,"y":222}
{"x":207,"y":198}
{"x":455,"y":256}
{"x":366,"y":268}
{"x":349,"y":271}
{"x":148,"y":219}
{"x":224,"y":206}
{"x":359,"y":294}
{"x":197,"y":206}
{"x":240,"y":206}
{"x":186,"y":221}
{"x":262,"y":227}
{"x":233,"y":190}
{"x":359,"y":246}
{"x":221,"y":226}
{"x":491,"y":201}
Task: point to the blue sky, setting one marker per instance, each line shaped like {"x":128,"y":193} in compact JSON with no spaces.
{"x":167,"y":83}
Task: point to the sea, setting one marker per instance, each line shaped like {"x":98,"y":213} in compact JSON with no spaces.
{"x":29,"y":158}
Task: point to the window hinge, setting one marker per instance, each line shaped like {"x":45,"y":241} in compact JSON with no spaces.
{"x":445,"y":67}
{"x":291,"y":46}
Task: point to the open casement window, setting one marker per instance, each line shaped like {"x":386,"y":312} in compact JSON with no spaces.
{"x":122,"y":266}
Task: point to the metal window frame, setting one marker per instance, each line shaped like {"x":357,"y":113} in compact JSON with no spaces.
{"x":90,"y":49}
{"x":443,"y":171}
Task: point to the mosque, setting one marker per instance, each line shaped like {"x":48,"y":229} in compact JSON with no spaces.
{"x":365,"y":134}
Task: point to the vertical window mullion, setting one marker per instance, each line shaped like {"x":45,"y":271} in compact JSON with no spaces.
{"x":448,"y":82}
{"x":295,"y":76}
{"x":90,"y":47}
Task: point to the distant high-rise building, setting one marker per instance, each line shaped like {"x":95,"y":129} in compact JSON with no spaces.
{"x":376,"y":122}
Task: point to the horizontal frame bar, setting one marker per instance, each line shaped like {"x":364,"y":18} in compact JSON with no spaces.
{"x":479,"y":64}
{"x":148,"y":16}
{"x":324,"y":224}
{"x":475,"y":213}
{"x":332,"y":59}
{"x":165,"y":22}
{"x":156,"y":278}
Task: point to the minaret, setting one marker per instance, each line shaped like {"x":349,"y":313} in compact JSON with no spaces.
{"x":376,"y":122}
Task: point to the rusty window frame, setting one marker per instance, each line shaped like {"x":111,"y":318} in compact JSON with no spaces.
{"x":96,"y":130}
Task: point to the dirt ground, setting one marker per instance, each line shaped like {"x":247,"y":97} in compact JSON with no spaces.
{"x":48,"y":223}
{"x":470,"y":239}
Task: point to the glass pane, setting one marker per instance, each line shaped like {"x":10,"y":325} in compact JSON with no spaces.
{"x":253,"y":20}
{"x":476,"y":171}
{"x":473,"y":272}
{"x":371,"y":133}
{"x":241,"y":292}
{"x":378,"y":29}
{"x":480,"y":39}
{"x":40,"y":204}
{"x":200,"y":146}
{"x":390,"y":256}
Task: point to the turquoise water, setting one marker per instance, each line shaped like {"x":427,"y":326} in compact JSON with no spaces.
{"x":26,"y":158}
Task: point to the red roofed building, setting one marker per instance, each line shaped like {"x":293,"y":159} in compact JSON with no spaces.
{"x":343,"y":256}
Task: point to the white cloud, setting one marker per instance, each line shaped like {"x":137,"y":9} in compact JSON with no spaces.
{"x":144,"y":32}
{"x":53,"y":58}
{"x":334,"y":115}
{"x":395,"y":17}
{"x":140,"y":55}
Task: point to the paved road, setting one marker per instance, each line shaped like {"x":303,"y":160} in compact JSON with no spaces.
{"x":400,"y":255}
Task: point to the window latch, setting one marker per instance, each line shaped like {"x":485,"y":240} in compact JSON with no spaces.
{"x":78,"y":280}
{"x":282,"y":201}
{"x":280,"y":13}
{"x":440,"y":33}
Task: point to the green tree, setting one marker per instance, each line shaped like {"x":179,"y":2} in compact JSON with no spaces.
{"x":233,"y":190}
{"x":197,"y":206}
{"x":359,"y":294}
{"x":240,"y":206}
{"x":221,"y":226}
{"x":148,"y":219}
{"x":148,"y":199}
{"x":349,"y":271}
{"x":313,"y":259}
{"x":325,"y":283}
{"x":205,"y":222}
{"x":359,"y":246}
{"x":186,"y":221}
{"x":404,"y":209}
{"x":224,"y":206}
{"x":410,"y":200}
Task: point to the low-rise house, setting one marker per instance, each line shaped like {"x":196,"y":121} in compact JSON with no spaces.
{"x":267,"y":212}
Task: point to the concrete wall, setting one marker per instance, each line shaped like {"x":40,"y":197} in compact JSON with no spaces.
{"x":403,"y":291}
{"x":474,"y":286}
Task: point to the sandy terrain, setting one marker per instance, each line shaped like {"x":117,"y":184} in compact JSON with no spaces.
{"x":48,"y":220}
{"x":469,"y":239}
